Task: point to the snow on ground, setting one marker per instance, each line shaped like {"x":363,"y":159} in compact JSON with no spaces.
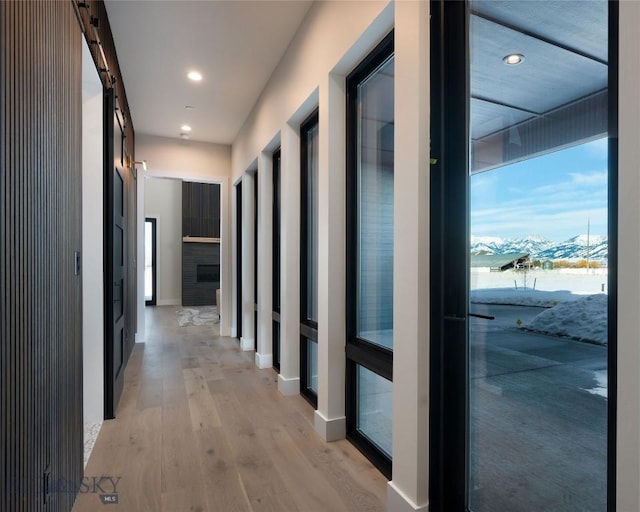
{"x":584,"y":319}
{"x":521,"y":297}
{"x":577,"y":281}
{"x":577,"y":306}
{"x":601,"y":384}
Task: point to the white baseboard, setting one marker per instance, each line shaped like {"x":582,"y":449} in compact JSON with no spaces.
{"x":246,"y":344}
{"x":169,"y":302}
{"x":289,"y":387}
{"x":264,"y":360}
{"x":398,"y":502}
{"x":330,"y":429}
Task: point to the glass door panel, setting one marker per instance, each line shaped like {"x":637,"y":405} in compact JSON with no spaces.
{"x":538,"y":282}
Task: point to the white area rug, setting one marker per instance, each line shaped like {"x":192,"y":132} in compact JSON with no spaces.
{"x":197,"y":316}
{"x":91,"y":431}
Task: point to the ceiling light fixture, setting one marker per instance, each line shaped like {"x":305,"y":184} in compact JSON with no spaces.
{"x":195,"y":76}
{"x":513,"y":59}
{"x":185,"y":128}
{"x":189,"y":107}
{"x":184,"y":136}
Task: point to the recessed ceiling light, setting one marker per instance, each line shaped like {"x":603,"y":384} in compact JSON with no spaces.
{"x":194,"y":75}
{"x":188,"y":107}
{"x":185,"y":128}
{"x":513,"y":59}
{"x":184,"y":136}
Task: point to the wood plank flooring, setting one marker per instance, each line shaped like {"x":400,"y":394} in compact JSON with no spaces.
{"x":201,"y":429}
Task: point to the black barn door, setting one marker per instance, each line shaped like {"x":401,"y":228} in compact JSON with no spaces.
{"x":115,"y":273}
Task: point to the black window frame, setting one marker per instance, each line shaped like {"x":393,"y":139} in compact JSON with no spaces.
{"x":238,"y":191}
{"x":308,"y":327}
{"x":255,"y":259}
{"x":359,"y":351}
{"x":276,"y":258}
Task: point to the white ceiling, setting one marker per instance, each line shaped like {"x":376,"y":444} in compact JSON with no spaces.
{"x":236,"y":45}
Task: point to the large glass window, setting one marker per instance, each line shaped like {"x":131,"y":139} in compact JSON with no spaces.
{"x":309,"y":258}
{"x":521,"y":167}
{"x":538,"y":188}
{"x":375,"y":206}
{"x":370,"y":203}
{"x":311,"y":222}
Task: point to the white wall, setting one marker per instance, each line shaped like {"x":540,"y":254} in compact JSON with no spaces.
{"x":333,"y":37}
{"x":189,"y":161}
{"x":92,"y":243}
{"x":163,"y":200}
{"x":184,"y":159}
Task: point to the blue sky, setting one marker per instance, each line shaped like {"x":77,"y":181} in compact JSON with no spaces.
{"x":550,"y":196}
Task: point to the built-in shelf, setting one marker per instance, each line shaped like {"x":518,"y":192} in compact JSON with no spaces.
{"x":201,"y":239}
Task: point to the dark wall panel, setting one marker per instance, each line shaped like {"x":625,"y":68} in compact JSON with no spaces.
{"x":201,"y":210}
{"x":40,"y":229}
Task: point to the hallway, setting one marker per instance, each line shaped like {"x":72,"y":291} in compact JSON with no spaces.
{"x":201,"y":428}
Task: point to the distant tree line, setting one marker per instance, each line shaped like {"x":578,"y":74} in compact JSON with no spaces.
{"x":569,"y":264}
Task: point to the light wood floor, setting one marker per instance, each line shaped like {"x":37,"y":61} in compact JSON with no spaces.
{"x":201,"y":429}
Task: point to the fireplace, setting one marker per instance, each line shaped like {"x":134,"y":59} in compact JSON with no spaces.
{"x":200,"y":271}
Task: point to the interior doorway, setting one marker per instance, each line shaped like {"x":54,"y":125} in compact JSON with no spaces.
{"x":93,"y":336}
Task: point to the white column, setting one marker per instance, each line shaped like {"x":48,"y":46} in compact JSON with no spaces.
{"x":408,"y":491}
{"x":248,"y":292}
{"x":264,"y":355}
{"x":628,"y":361}
{"x":140,"y":225}
{"x":289,"y":378}
{"x":330,"y":420}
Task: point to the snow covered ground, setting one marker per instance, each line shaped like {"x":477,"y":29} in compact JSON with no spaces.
{"x":576,"y":302}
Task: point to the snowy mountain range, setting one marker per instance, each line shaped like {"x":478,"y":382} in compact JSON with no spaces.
{"x":575,"y":248}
